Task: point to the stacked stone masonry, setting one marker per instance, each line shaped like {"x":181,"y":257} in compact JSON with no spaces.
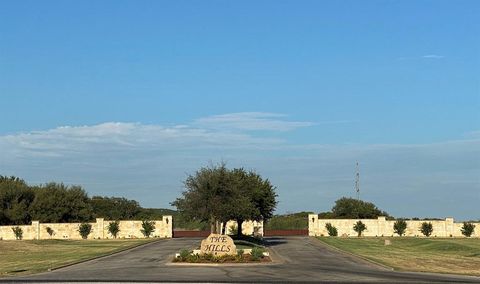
{"x":382,"y":227}
{"x":249,"y":228}
{"x":128,"y":229}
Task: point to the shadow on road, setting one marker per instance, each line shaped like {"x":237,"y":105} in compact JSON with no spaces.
{"x":274,"y":241}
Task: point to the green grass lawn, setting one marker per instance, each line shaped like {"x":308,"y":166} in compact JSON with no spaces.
{"x":441,"y":255}
{"x":26,"y":257}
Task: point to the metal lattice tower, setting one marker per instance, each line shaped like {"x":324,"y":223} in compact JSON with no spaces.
{"x":357,"y":181}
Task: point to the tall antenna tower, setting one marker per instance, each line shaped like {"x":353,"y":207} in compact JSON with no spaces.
{"x":357,"y":181}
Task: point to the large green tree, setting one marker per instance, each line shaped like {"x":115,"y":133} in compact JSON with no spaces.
{"x":255,"y":198}
{"x":242,"y":206}
{"x":56,"y":202}
{"x":350,"y":208}
{"x":207,"y":195}
{"x":15,"y":200}
{"x":216,"y":194}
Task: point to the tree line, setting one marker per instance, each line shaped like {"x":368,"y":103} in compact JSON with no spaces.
{"x":52,"y":202}
{"x":214,"y":195}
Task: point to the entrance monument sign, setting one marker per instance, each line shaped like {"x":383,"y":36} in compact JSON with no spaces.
{"x":218,"y":245}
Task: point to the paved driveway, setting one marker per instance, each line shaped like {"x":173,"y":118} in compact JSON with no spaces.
{"x":299,"y":259}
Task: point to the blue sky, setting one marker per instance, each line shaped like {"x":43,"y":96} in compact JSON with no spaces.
{"x":126,"y":97}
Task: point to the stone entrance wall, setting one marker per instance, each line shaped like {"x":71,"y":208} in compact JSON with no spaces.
{"x":128,"y":229}
{"x":382,"y":227}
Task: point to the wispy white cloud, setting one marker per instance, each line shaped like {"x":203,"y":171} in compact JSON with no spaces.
{"x":122,"y":137}
{"x":426,"y":56}
{"x":226,"y":131}
{"x":251,"y":121}
{"x":433,"y":56}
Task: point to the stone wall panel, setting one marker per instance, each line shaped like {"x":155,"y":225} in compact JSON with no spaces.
{"x":65,"y":231}
{"x":382,"y":227}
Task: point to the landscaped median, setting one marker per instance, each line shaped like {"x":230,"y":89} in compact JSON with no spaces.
{"x":218,"y":248}
{"x":440,"y":255}
{"x":27,"y":257}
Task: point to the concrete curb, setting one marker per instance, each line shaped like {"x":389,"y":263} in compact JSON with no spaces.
{"x":354,"y":255}
{"x":222,"y":264}
{"x":105,"y":255}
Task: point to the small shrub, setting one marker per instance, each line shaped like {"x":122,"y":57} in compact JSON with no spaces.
{"x":193,"y":258}
{"x":49,"y":231}
{"x":332,"y":231}
{"x":426,"y":228}
{"x":147,"y":228}
{"x":114,"y":228}
{"x":359,"y":227}
{"x":18,"y":232}
{"x":184,"y":254}
{"x":257,"y":253}
{"x":468,"y":229}
{"x":84,"y":230}
{"x":399,"y":227}
{"x":240,"y":252}
{"x":209,"y":256}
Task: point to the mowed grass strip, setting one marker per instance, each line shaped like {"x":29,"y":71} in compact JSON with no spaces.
{"x":440,"y":255}
{"x":27,"y":257}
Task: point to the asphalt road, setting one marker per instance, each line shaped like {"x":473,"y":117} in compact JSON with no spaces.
{"x":298,"y":259}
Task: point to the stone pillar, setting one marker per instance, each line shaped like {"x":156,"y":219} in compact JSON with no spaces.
{"x":382,"y":226}
{"x":100,"y":223}
{"x":313,"y":225}
{"x":168,"y":226}
{"x":449,"y":227}
{"x":36,"y":230}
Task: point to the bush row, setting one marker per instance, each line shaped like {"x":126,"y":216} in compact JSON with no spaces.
{"x":189,"y":256}
{"x":86,"y":228}
{"x":400,"y":226}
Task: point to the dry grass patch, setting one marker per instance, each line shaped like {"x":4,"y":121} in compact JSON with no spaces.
{"x":441,"y":255}
{"x":26,"y":257}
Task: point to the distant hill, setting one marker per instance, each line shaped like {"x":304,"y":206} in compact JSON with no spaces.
{"x":288,"y":221}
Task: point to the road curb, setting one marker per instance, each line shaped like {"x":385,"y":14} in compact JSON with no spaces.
{"x":104,"y":255}
{"x":354,"y":255}
{"x":222,"y":264}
